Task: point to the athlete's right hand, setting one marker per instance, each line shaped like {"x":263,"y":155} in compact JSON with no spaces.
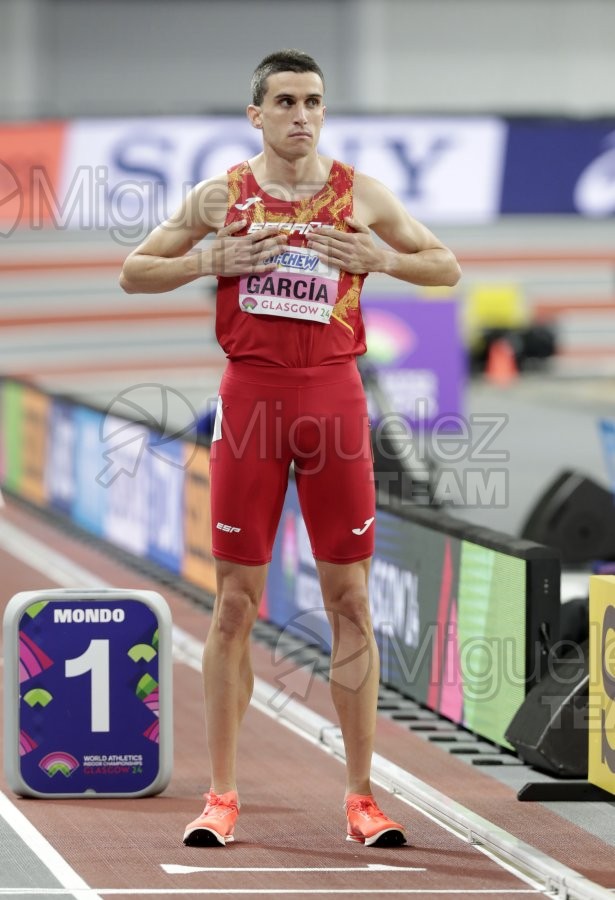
{"x":243,"y":255}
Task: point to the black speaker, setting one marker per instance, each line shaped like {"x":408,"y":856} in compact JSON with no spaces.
{"x":577,"y":517}
{"x":549,"y":730}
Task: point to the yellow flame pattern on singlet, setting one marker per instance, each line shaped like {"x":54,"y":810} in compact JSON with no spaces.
{"x":335,"y":198}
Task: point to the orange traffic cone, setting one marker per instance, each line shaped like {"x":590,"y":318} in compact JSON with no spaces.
{"x":501,"y":365}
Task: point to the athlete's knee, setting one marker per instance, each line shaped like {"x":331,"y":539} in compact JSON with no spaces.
{"x":235,"y":613}
{"x":350,"y":607}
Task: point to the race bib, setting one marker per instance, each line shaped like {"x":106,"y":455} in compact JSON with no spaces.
{"x":302,"y":287}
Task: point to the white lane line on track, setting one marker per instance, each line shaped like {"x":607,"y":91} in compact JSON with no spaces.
{"x":74,"y":885}
{"x":317,"y":730}
{"x":54,"y":566}
{"x":278,"y":892}
{"x":325,"y":735}
{"x":36,"y":555}
{"x":189,"y":870}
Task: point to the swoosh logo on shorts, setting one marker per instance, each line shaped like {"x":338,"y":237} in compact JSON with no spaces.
{"x":366,"y":525}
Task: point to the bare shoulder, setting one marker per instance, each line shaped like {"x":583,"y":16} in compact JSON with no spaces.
{"x":206,"y":204}
{"x":377,"y":207}
{"x":367,"y":188}
{"x":373,"y":201}
{"x":202,"y":212}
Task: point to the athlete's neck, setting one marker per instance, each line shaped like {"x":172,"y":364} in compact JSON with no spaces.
{"x":299,"y":178}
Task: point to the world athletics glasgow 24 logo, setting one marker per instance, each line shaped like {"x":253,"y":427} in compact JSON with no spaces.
{"x":34,"y":662}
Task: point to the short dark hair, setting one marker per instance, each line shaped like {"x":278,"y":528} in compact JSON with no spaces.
{"x":281,"y":61}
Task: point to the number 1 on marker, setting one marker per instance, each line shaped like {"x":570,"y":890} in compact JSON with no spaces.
{"x":95,"y":660}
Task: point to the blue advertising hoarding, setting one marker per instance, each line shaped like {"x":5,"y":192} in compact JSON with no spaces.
{"x":559,"y":167}
{"x":60,"y":471}
{"x":126,"y":481}
{"x":166,"y":504}
{"x":88,"y":508}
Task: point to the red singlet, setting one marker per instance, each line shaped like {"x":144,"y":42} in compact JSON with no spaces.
{"x":289,"y":337}
{"x":292,"y":392}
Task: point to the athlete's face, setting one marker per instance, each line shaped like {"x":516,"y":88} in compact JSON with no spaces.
{"x":291,"y":114}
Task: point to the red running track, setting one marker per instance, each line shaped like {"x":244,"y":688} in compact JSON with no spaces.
{"x":290,"y":835}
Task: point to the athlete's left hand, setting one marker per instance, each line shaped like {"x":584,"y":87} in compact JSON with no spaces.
{"x":352,"y":251}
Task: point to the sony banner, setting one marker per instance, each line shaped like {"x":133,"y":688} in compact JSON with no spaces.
{"x":126,"y":175}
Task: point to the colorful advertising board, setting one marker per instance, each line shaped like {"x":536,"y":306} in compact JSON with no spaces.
{"x":450,"y":615}
{"x":460,"y":612}
{"x":12,"y":434}
{"x":35,"y":411}
{"x":450,"y":620}
{"x":416,"y":347}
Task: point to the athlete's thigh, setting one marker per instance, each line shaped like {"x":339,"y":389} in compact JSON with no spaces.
{"x":249,"y":475}
{"x":335,"y":474}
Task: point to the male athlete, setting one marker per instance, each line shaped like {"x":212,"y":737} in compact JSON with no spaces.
{"x":291,"y":248}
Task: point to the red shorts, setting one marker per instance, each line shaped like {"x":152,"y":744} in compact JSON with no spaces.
{"x":269,"y":417}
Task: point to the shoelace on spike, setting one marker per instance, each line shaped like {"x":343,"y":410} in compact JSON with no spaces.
{"x":216,"y":807}
{"x":366,"y":808}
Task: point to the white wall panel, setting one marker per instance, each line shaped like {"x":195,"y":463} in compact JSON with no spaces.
{"x":79,"y":57}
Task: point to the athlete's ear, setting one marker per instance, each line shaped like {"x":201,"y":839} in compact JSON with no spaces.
{"x":254,"y":115}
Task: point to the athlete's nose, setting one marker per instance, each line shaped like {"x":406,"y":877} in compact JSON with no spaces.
{"x":301,"y":114}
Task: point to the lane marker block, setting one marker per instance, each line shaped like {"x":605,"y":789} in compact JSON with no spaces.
{"x":88,"y":693}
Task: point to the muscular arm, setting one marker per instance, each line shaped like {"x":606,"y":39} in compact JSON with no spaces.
{"x":168,"y":257}
{"x":164,"y":261}
{"x":416,"y":255}
{"x":413,"y":253}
